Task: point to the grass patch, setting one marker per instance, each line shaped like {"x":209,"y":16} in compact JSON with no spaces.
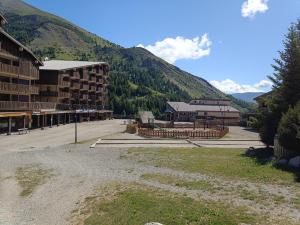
{"x":229,"y":163}
{"x":179,"y":182}
{"x":138,"y":205}
{"x":296,"y":202}
{"x":31,"y":176}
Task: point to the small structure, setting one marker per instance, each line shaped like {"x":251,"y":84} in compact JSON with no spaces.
{"x":146,"y":119}
{"x":212,"y":111}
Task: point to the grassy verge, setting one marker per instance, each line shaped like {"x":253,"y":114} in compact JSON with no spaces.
{"x":31,"y":176}
{"x":180,"y":182}
{"x":229,"y":163}
{"x":136,"y":205}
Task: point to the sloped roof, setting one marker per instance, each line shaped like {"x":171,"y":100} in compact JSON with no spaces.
{"x":185,"y":107}
{"x":20,"y":45}
{"x":64,"y":65}
{"x":145,"y":116}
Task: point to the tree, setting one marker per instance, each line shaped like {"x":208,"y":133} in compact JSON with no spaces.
{"x":286,"y":89}
{"x":286,"y":77}
{"x":289,"y":129}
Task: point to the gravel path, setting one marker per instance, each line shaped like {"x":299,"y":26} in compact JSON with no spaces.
{"x":80,"y":169}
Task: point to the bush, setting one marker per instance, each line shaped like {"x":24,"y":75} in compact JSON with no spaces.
{"x":289,"y":129}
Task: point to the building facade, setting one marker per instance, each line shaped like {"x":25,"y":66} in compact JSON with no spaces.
{"x":19,"y":71}
{"x":34,"y":95}
{"x":74,"y":84}
{"x":208,"y":111}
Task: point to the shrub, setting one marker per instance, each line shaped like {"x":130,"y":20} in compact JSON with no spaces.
{"x":289,"y":129}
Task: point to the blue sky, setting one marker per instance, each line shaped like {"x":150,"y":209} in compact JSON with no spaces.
{"x":230,"y":43}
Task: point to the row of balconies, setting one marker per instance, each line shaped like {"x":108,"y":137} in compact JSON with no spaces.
{"x":25,"y":71}
{"x":11,"y":105}
{"x":21,"y":89}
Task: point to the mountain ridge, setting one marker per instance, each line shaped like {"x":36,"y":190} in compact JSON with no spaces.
{"x":139,"y":79}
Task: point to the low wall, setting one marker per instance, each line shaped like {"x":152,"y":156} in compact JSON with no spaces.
{"x":208,"y":134}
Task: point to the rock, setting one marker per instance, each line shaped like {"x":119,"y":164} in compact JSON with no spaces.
{"x":282,"y":162}
{"x":153,"y":223}
{"x":295,"y":162}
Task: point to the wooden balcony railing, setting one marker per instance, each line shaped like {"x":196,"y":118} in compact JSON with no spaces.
{"x":99,"y":90}
{"x":92,"y":80}
{"x":84,"y":86}
{"x":16,"y":89}
{"x":92,"y":88}
{"x":75,"y":75}
{"x":11,"y":105}
{"x":26,"y":71}
{"x":84,"y":97}
{"x":100,"y":81}
{"x":75,"y":86}
{"x":63,"y":94}
{"x":64,"y":83}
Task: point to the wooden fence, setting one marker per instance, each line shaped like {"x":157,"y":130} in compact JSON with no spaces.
{"x":205,"y":134}
{"x":281,"y":152}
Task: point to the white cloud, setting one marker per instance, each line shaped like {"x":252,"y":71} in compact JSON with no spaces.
{"x":229,"y":86}
{"x":173,"y":49}
{"x":251,"y":7}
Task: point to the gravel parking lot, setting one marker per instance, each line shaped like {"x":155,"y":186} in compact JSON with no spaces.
{"x":77,"y":170}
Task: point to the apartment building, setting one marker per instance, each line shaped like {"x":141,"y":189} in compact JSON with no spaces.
{"x":36,"y":95}
{"x":78,"y":84}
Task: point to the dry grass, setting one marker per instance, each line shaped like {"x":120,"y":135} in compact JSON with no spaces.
{"x":31,"y":176}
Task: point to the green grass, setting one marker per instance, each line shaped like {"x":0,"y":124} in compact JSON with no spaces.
{"x":296,"y":201}
{"x":180,"y":182}
{"x":228,"y":163}
{"x":139,"y":205}
{"x":31,"y":176}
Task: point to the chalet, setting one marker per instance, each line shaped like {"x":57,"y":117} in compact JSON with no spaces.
{"x":214,"y":111}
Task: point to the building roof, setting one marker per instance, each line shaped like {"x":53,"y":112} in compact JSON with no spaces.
{"x":20,"y":45}
{"x":185,"y":107}
{"x":145,"y":116}
{"x":64,"y":65}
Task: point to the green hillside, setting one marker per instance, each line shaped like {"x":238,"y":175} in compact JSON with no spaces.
{"x":139,"y":80}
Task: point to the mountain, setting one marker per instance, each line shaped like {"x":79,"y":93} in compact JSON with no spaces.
{"x":139,"y":79}
{"x":247,"y":96}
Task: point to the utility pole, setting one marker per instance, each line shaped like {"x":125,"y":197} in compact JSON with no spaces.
{"x":75,"y":126}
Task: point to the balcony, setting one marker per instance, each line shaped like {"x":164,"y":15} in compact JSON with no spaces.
{"x":92,"y":80}
{"x":64,"y":83}
{"x":100,"y":81}
{"x":75,"y":86}
{"x":92,"y":89}
{"x":26,"y":72}
{"x":84,"y":87}
{"x":99,"y":73}
{"x":63,"y":94}
{"x":75,"y":76}
{"x":18,"y":106}
{"x":18,"y":89}
{"x":92,"y":71}
{"x":84,"y":97}
{"x":99,"y":90}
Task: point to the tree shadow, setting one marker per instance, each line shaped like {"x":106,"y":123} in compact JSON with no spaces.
{"x":264,"y":156}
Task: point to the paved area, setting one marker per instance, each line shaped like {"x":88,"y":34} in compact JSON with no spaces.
{"x":56,"y":136}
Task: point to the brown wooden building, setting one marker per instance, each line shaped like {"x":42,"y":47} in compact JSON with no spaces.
{"x":208,"y":111}
{"x":19,"y":71}
{"x":32,"y":98}
{"x":79,"y":84}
